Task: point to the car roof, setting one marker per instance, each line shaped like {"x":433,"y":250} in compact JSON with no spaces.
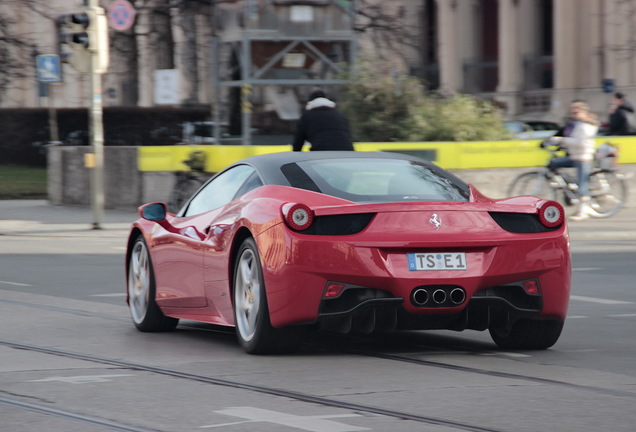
{"x":269,"y":165}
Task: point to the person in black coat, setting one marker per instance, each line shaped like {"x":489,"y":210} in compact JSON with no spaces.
{"x":322,"y":125}
{"x":622,"y":120}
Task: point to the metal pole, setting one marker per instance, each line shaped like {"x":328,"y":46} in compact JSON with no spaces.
{"x":54,"y":134}
{"x":215,"y":84}
{"x":97,"y":138}
{"x":246,"y":89}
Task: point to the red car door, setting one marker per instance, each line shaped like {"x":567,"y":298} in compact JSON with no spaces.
{"x":178,"y":262}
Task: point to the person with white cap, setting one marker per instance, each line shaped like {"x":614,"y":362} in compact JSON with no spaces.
{"x":322,"y":125}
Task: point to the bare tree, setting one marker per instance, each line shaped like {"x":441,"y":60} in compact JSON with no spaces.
{"x":160,"y":32}
{"x":386,"y":25}
{"x":188,"y":12}
{"x":16,"y":50}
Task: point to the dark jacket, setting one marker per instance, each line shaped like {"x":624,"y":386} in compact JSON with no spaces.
{"x":622,"y":121}
{"x":324,"y":127}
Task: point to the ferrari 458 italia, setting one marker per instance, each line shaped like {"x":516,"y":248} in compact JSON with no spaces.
{"x":350,"y":242}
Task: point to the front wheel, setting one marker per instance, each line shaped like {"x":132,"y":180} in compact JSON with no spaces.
{"x":533,"y":183}
{"x":608,"y":193}
{"x":251,"y":313}
{"x":527,"y":334}
{"x":141,"y":292}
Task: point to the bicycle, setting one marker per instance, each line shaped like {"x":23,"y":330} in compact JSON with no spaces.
{"x":608,"y":188}
{"x":188,"y":182}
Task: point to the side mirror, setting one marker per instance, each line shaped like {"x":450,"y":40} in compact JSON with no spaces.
{"x":155,"y":212}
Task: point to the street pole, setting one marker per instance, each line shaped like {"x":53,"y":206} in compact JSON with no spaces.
{"x":97,"y":137}
{"x":53,"y":128}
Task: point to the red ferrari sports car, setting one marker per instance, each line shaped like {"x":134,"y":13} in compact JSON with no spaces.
{"x":350,"y":242}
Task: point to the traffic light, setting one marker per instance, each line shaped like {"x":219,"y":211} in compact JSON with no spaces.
{"x":85,"y":34}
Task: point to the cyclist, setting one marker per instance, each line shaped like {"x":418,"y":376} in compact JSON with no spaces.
{"x":579,"y":144}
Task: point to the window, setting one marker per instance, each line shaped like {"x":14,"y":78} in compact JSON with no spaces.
{"x":379,"y":180}
{"x":223,"y":188}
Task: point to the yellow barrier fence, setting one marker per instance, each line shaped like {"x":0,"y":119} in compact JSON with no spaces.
{"x":449,"y":155}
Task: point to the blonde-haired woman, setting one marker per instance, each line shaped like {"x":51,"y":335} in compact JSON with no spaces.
{"x":579,"y":144}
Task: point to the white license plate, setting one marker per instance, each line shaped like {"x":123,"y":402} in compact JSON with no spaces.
{"x":437,"y":261}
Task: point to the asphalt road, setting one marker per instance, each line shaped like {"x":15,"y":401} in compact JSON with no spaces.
{"x":71,"y":360}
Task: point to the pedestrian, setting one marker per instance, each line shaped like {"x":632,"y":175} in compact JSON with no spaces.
{"x":579,"y":144}
{"x":322,"y":125}
{"x":622,"y":120}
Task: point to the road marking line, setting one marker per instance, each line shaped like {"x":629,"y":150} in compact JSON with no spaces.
{"x":109,"y":295}
{"x":586,"y":269}
{"x":86,"y":379}
{"x":15,"y":283}
{"x":599,"y":300}
{"x":623,"y":315}
{"x":505,"y":354}
{"x":306,"y":423}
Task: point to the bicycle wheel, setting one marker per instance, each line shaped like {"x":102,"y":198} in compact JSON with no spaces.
{"x":608,"y":192}
{"x":533,"y":183}
{"x":182,"y":191}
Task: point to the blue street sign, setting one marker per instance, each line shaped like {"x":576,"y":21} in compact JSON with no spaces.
{"x":48,"y":68}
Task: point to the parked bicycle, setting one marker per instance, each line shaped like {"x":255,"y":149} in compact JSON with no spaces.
{"x":188,"y":182}
{"x":608,"y":188}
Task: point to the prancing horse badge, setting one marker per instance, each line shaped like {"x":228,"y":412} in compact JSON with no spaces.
{"x":436,"y":221}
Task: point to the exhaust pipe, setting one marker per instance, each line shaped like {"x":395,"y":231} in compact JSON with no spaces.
{"x":420,"y":297}
{"x":439,"y":296}
{"x":458,"y":296}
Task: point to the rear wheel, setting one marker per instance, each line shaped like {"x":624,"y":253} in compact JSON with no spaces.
{"x":608,"y":193}
{"x":528,"y":334}
{"x":251,"y":313}
{"x":533,"y":183}
{"x":141,"y":292}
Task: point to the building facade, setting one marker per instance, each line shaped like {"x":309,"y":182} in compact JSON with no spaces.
{"x":531,"y":56}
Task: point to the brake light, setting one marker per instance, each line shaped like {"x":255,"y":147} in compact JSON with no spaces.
{"x":551,"y":214}
{"x":299,"y":217}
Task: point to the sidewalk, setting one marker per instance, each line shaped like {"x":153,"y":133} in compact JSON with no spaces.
{"x":21,"y":217}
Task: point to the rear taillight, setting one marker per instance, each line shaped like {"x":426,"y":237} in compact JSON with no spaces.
{"x":298,"y":216}
{"x":551,"y":214}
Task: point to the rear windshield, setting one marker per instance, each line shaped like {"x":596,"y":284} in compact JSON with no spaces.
{"x":377,"y":180}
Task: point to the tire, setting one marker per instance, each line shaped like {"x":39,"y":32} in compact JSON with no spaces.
{"x":532,"y":183}
{"x":608,"y":193}
{"x":251,"y":313}
{"x":527,"y":334}
{"x":144,"y":311}
{"x":182,"y":192}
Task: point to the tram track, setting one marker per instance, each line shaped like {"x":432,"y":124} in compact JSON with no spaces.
{"x":77,"y":417}
{"x":298,"y":396}
{"x":354,"y":351}
{"x":277,"y":392}
{"x":507,"y":375}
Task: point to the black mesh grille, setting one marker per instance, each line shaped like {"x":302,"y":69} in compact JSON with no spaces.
{"x":339,"y":224}
{"x":520,"y":222}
